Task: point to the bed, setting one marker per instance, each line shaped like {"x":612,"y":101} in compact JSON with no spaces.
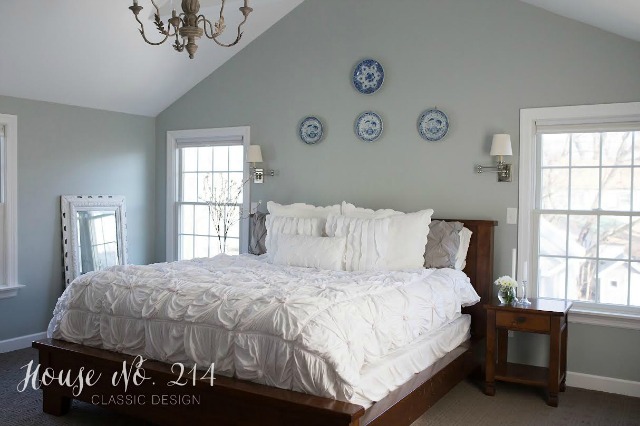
{"x":239,"y":402}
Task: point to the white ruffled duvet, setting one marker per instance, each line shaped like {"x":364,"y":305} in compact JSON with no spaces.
{"x":308,"y":330}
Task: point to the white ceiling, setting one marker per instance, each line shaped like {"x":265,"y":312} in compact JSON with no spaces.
{"x":620,"y":17}
{"x":90,"y":53}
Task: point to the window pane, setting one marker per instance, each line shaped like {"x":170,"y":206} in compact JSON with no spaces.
{"x":555,"y":150}
{"x":635,"y":284}
{"x":636,"y":187}
{"x":220,"y":158}
{"x":614,"y":237}
{"x":235,"y":188}
{"x":583,"y":230}
{"x":205,"y":159}
{"x":215,"y":246}
{"x":233,"y":246}
{"x":186,"y":247}
{"x":553,"y":234}
{"x":236,"y":158}
{"x":189,"y":159}
{"x":551,"y":276}
{"x":233,"y":213}
{"x":614,"y":282}
{"x":202,"y":220}
{"x":636,"y":150}
{"x":585,"y":149}
{"x":189,"y":187}
{"x":582,"y":280}
{"x":635,"y":240}
{"x":186,"y":220}
{"x":616,"y":148}
{"x":616,"y":189}
{"x":204,"y":187}
{"x":201,"y":247}
{"x":555,"y":189}
{"x":585,"y":188}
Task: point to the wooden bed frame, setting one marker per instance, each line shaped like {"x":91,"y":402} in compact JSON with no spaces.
{"x":235,"y":402}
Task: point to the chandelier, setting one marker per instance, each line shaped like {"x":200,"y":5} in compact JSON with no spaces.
{"x":187,"y":25}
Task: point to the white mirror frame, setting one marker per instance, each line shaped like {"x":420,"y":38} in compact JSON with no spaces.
{"x":70,"y":205}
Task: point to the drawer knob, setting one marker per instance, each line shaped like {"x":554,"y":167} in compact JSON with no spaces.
{"x":520,"y":320}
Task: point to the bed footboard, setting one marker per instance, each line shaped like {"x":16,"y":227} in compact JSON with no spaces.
{"x":227,"y":402}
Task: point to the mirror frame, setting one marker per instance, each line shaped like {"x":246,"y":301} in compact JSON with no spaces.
{"x":70,"y":205}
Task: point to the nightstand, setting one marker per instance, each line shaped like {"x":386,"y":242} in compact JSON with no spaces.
{"x":542,"y":316}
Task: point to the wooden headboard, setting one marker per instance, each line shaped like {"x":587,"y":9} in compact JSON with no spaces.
{"x":479,"y":269}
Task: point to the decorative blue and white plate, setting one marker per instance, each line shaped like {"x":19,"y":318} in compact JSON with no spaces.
{"x":433,"y":125}
{"x":368,"y":76}
{"x":368,"y":126}
{"x":311,"y":131}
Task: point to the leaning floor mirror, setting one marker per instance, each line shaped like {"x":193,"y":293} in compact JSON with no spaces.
{"x":94,"y":233}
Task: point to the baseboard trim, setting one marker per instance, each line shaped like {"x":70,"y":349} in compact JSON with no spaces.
{"x":21,"y":342}
{"x":603,"y":384}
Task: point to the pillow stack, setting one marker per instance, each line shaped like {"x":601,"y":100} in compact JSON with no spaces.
{"x":346,"y":237}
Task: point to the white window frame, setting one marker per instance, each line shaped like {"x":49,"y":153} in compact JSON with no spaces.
{"x":586,"y":313}
{"x":179,"y":137}
{"x":9,"y":224}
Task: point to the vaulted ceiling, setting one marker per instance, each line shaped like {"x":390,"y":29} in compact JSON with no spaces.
{"x":90,"y":54}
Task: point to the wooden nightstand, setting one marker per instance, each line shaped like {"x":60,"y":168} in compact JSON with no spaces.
{"x":542,"y":316}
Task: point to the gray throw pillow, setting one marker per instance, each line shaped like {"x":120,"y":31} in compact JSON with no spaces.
{"x":442,"y":244}
{"x":258,"y":231}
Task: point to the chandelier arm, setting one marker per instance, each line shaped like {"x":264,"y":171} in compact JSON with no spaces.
{"x":214,"y":38}
{"x":208,"y":28}
{"x":144,"y":36}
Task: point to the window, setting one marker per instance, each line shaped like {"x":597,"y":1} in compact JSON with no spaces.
{"x":580,"y":203}
{"x":210,"y":193}
{"x":8,"y":206}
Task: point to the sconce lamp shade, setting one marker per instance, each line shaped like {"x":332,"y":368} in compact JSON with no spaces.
{"x":501,"y":145}
{"x":254,"y":154}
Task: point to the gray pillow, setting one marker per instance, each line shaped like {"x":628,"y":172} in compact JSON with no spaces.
{"x":258,"y":233}
{"x":442,"y":244}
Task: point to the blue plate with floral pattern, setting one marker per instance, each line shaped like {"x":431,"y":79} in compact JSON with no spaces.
{"x":368,"y":76}
{"x":310,"y":130}
{"x":368,"y":126}
{"x":433,"y":125}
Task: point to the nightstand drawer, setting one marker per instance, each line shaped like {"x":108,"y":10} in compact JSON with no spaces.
{"x":521,"y":321}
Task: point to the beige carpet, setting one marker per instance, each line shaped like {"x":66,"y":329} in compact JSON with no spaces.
{"x":464,"y":405}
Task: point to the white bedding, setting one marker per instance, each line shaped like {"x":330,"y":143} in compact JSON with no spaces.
{"x":309,"y":330}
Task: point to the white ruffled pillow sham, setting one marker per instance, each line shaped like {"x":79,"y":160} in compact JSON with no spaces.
{"x":407,"y":234}
{"x":367,"y":241}
{"x":311,"y":252}
{"x":302,"y":210}
{"x":278,"y":225}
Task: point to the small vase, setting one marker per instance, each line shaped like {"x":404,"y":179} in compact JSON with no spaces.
{"x":507,"y":295}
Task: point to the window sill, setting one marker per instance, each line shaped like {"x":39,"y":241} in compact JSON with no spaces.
{"x":7,"y":291}
{"x":606,"y":316}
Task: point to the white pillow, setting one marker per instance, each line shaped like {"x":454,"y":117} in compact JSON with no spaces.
{"x":311,"y":252}
{"x":367,"y":241}
{"x":350,"y":210}
{"x":408,"y":234}
{"x":276,"y":225}
{"x":301,"y":210}
{"x":463,"y":248}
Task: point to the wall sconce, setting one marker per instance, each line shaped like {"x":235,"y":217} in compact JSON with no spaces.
{"x":254,"y":155}
{"x":500,"y":146}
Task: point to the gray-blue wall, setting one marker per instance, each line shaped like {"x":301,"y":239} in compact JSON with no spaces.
{"x":479,"y":61}
{"x":71,"y":150}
